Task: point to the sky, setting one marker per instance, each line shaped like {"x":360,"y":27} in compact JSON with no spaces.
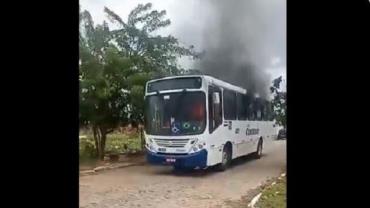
{"x":190,"y":18}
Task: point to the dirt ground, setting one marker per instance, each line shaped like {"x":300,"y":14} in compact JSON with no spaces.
{"x":157,"y":186}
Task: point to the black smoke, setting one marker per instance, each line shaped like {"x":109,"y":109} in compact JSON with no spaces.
{"x":240,"y":38}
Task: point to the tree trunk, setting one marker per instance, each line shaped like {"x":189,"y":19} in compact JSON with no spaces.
{"x":103,"y":139}
{"x":96,"y":140}
{"x":142,"y":138}
{"x":100,"y":136}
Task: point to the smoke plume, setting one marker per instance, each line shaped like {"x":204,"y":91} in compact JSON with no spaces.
{"x":240,"y":38}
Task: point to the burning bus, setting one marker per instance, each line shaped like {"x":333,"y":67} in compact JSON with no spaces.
{"x":197,"y":121}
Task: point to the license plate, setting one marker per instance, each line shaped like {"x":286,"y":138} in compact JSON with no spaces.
{"x":170,"y":160}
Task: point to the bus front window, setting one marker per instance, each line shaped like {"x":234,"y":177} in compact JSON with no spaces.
{"x":175,"y":113}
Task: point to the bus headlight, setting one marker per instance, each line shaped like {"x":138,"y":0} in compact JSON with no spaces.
{"x":149,"y":143}
{"x":196,"y":145}
{"x":194,"y":141}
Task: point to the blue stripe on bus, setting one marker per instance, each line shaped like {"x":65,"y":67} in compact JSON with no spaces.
{"x":198,"y":159}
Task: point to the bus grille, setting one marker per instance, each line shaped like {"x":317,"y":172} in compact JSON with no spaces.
{"x":176,"y":143}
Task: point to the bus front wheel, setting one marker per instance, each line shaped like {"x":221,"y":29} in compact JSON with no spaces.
{"x":226,"y":159}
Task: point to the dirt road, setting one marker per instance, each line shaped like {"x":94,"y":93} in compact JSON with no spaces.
{"x":157,"y":186}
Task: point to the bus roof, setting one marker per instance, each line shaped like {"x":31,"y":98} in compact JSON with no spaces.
{"x":209,"y":79}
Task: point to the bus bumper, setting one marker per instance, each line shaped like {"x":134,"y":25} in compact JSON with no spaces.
{"x":198,"y":159}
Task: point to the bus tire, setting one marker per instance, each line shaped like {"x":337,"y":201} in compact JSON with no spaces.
{"x":258,"y":153}
{"x":226,"y":158}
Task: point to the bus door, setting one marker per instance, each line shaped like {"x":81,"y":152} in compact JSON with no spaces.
{"x":216,"y":128}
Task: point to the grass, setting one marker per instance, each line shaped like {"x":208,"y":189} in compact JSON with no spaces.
{"x":273,"y":196}
{"x":116,"y":143}
{"x":119,"y":142}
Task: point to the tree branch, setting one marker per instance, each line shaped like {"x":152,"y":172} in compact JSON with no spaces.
{"x":109,"y":131}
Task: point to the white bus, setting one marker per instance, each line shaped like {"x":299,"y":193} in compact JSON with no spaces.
{"x":198,"y":121}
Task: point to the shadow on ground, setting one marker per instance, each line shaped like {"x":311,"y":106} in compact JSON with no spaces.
{"x":205,"y":172}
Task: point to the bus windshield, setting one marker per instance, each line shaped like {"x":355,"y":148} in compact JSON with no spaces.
{"x":181,"y":113}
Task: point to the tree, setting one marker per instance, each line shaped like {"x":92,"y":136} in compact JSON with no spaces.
{"x":279,"y":102}
{"x":103,"y":100}
{"x":152,"y":55}
{"x":115,"y":65}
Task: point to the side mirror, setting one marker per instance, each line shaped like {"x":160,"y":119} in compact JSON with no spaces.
{"x":216,"y":98}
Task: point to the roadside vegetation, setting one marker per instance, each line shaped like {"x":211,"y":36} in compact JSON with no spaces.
{"x":116,"y":59}
{"x":273,"y":196}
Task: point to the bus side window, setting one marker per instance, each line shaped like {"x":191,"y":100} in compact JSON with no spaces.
{"x":240,"y":103}
{"x":271,"y":112}
{"x":250,"y":108}
{"x":264,"y":111}
{"x":259,"y":115}
{"x":229,"y":105}
{"x":267,"y":111}
{"x":257,"y":110}
{"x":215,"y":109}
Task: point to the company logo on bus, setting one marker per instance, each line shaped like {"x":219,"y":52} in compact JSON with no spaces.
{"x":252,"y":131}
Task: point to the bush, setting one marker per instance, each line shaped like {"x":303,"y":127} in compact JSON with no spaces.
{"x":87,"y":148}
{"x":115,"y":144}
{"x":121,"y":143}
